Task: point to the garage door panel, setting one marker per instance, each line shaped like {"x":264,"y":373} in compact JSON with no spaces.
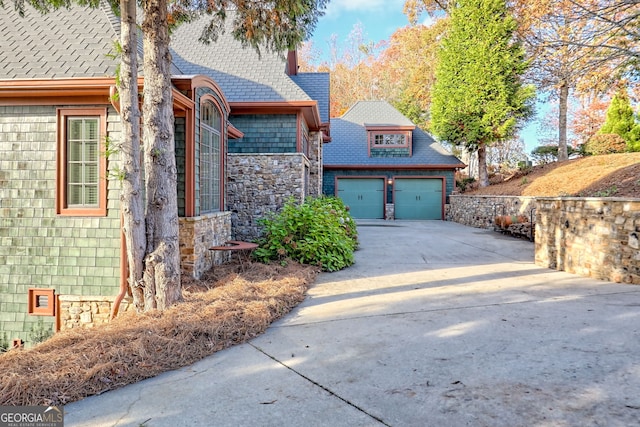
{"x":418,"y":198}
{"x":364,"y":196}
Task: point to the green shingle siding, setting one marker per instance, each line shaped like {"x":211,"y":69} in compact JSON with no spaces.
{"x":390,"y":152}
{"x":268,"y":133}
{"x":73,"y":255}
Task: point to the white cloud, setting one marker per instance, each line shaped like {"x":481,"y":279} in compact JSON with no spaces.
{"x":428,"y":21}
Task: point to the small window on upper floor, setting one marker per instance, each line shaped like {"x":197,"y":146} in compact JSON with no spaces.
{"x":81,"y":164}
{"x":390,"y":140}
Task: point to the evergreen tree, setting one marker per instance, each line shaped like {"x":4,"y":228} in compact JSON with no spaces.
{"x":621,"y":120}
{"x":478,"y":97}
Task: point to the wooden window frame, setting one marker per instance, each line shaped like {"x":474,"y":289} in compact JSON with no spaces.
{"x":34,"y":307}
{"x":61,"y":177}
{"x":373,"y":134}
{"x":209,"y":99}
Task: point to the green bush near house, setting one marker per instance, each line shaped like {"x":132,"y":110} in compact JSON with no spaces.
{"x":4,"y":343}
{"x":40,"y":332}
{"x":318,"y":232}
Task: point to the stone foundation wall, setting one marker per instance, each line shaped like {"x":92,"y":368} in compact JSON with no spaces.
{"x":197,"y":235}
{"x":262,"y":183}
{"x":86,"y":311}
{"x":480,"y":211}
{"x":315,"y":164}
{"x":594,"y":237}
{"x":389,"y":211}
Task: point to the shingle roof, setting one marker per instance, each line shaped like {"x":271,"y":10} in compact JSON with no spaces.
{"x":375,"y":113}
{"x":348,"y":144}
{"x":242,"y":74}
{"x":75,"y":42}
{"x":316,"y":85}
{"x":61,"y":44}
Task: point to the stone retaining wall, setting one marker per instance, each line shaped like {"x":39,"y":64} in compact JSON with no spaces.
{"x":480,"y":211}
{"x":594,"y":237}
{"x":86,"y":311}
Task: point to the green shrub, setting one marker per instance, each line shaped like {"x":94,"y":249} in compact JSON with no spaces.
{"x":4,"y":343}
{"x":40,"y":332}
{"x":318,"y":232}
{"x":464,"y":182}
{"x":604,"y":143}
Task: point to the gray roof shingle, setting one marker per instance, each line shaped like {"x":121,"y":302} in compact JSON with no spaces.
{"x":76,"y":42}
{"x":316,"y":85}
{"x":348,"y":144}
{"x":64,"y":43}
{"x":242,"y":74}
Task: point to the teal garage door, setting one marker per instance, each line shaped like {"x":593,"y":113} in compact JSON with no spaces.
{"x":364,"y":196}
{"x":418,"y":198}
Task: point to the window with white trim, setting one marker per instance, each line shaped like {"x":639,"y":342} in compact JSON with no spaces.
{"x":82,"y":167}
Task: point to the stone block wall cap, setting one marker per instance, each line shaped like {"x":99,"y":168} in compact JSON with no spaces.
{"x":591,"y":199}
{"x":205,"y":216}
{"x":491,"y":196}
{"x":85,"y":298}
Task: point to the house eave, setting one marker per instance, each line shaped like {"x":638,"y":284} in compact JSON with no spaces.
{"x":87,"y":90}
{"x":392,"y":166}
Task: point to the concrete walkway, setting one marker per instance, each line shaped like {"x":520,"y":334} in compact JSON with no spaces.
{"x":437,"y":324}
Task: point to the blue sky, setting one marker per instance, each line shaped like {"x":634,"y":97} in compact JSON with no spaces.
{"x":380,"y":19}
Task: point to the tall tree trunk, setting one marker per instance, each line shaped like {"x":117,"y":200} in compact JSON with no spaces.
{"x":483,"y":175}
{"x":162,"y":263}
{"x":131,"y":200}
{"x":562,"y":122}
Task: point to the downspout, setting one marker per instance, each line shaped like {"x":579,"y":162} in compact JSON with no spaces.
{"x":113,"y":97}
{"x":124,"y":286}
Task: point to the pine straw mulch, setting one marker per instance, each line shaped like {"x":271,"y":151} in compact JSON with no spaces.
{"x":615,"y":175}
{"x":231,"y":305}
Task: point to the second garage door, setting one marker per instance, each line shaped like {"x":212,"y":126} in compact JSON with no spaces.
{"x":418,"y":198}
{"x":364,"y":196}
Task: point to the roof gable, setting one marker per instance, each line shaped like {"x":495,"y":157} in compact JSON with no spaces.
{"x":375,"y":113}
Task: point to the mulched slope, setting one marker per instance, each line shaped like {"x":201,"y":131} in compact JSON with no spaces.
{"x":231,"y":305}
{"x":614,"y":175}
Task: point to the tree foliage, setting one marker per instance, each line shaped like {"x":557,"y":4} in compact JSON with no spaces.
{"x":604,"y":143}
{"x":355,"y":74}
{"x":410,"y":61}
{"x":621,"y":120}
{"x":478,"y":96}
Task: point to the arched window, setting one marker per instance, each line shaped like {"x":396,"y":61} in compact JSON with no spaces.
{"x":210,"y":158}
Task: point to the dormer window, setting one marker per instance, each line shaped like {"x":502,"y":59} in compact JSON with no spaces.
{"x":389,"y":140}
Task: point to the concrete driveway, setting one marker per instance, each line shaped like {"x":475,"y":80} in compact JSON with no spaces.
{"x":437,"y":324}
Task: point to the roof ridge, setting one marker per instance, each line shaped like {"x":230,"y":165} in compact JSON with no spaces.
{"x":111,"y":15}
